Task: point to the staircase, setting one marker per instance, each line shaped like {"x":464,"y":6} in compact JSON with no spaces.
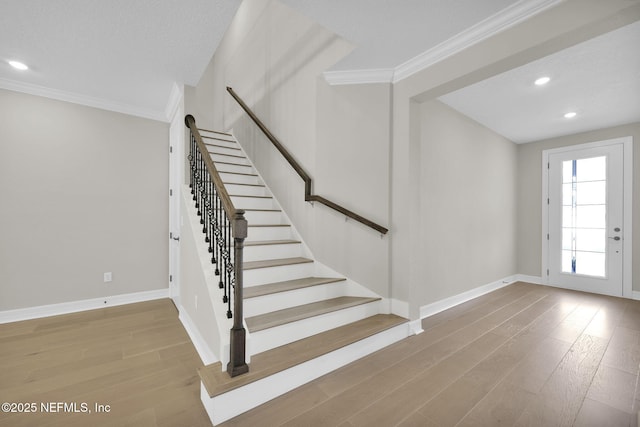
{"x":302,"y":319}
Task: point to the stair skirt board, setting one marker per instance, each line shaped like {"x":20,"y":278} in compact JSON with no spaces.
{"x":235,"y":402}
{"x":277,"y":336}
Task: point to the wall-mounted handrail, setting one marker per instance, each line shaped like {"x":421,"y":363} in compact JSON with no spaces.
{"x":303,"y":174}
{"x":224,"y":227}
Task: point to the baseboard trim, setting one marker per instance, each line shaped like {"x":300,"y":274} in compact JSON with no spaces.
{"x":536,"y":280}
{"x":29,"y":313}
{"x":444,"y":304}
{"x":204,"y":351}
{"x":636,"y":295}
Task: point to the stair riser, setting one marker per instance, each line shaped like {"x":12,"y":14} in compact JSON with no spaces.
{"x":243,"y":179}
{"x":262,"y":276}
{"x":222,"y":167}
{"x":269,"y":233}
{"x":282,"y":300}
{"x":246,"y":190}
{"x":233,"y":403}
{"x":220,"y":148}
{"x":229,"y":159}
{"x":280,"y":335}
{"x":264,"y":217}
{"x":261,"y":252}
{"x":253,"y":203}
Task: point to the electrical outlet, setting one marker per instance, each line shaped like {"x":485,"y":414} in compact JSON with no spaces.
{"x":107,"y":277}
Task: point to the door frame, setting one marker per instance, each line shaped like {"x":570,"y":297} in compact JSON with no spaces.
{"x":627,"y":200}
{"x":176,"y":160}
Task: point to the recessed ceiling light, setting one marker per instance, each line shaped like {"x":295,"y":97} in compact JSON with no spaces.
{"x":570,"y":115}
{"x":18,"y":65}
{"x":542,"y":81}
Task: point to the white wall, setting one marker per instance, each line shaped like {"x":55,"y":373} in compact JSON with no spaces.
{"x":82,"y":192}
{"x":467,"y":204}
{"x":274,"y":58}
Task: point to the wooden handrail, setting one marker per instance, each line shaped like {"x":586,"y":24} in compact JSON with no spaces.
{"x":221,"y":238}
{"x":227,"y":204}
{"x":308,"y":196}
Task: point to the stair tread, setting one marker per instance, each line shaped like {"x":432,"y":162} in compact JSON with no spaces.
{"x":217,"y":162}
{"x":305,"y":311}
{"x":250,"y":196}
{"x":288,"y":285}
{"x":210,"y":144}
{"x":242,"y":183}
{"x":228,"y":155}
{"x":237,"y":173}
{"x":251,"y":265}
{"x":214,"y":131}
{"x":270,"y":242}
{"x":217,"y":381}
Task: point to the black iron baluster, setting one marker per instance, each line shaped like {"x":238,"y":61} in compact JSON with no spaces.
{"x":225,"y":229}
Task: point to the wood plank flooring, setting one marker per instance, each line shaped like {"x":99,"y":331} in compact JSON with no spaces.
{"x":524,"y":355}
{"x":136,"y":358}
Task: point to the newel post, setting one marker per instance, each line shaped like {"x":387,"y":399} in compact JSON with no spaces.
{"x":237,"y":364}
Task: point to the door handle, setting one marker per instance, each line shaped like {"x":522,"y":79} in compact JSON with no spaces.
{"x":178,"y":238}
{"x":616,"y":238}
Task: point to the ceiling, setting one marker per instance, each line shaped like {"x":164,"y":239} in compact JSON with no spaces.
{"x":598,"y":79}
{"x":120,"y":55}
{"x":125,"y":55}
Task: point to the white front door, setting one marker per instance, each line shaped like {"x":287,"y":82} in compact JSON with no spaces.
{"x":585,"y":211}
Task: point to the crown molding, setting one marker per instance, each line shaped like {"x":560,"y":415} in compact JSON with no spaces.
{"x":495,"y":24}
{"x":350,"y":77}
{"x":76,"y":98}
{"x":489,"y":27}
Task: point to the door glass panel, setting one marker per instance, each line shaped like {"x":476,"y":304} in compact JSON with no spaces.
{"x":584,"y":216}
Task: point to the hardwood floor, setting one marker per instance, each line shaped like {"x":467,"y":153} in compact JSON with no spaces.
{"x":136,"y":358}
{"x":524,"y":355}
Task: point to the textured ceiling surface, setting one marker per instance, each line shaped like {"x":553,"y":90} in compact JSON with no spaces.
{"x":389,"y":33}
{"x":126,"y":55}
{"x":121,"y":51}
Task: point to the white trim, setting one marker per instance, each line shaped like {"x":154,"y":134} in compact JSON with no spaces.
{"x":348,"y":77}
{"x":206,"y":354}
{"x":415,"y":327}
{"x":80,"y":99}
{"x":506,"y":18}
{"x":627,"y":196}
{"x":237,"y":401}
{"x":444,"y":304}
{"x":536,"y":280}
{"x":29,"y":313}
{"x":636,"y":296}
{"x":399,"y":308}
{"x":175,"y":100}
